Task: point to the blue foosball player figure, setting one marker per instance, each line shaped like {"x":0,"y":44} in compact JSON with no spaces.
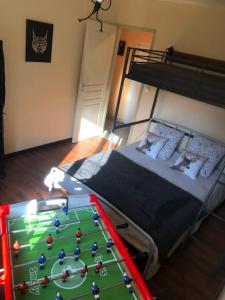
{"x":96,"y":217}
{"x":61,"y":256}
{"x":127,"y":280}
{"x":94,"y":248}
{"x":76,"y":253}
{"x":95,"y":290}
{"x":65,"y":210}
{"x":58,"y":296}
{"x":109,"y":245}
{"x":56,"y":224}
{"x":42,"y":261}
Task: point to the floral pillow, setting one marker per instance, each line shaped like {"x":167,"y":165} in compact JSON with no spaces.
{"x":173,"y":135}
{"x":152,"y":144}
{"x":205,"y":147}
{"x":189,"y":163}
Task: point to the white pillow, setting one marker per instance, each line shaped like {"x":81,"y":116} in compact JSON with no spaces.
{"x":152,"y":144}
{"x":208,"y":148}
{"x":189,"y":163}
{"x":173,"y":136}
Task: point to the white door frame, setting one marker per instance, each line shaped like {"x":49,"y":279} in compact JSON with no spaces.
{"x":120,"y":27}
{"x":108,"y":88}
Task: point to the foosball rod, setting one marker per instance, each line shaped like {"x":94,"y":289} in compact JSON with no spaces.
{"x":120,"y":226}
{"x":51,"y":227}
{"x":115,"y":284}
{"x":107,"y":263}
{"x":91,"y":205}
{"x":58,"y":276}
{"x":53,"y":257}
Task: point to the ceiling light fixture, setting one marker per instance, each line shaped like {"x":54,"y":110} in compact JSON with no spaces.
{"x":97,"y":7}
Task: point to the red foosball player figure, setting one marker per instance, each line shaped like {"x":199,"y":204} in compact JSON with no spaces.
{"x":98,"y":266}
{"x":49,"y":241}
{"x":65,"y":276}
{"x":22,"y":287}
{"x":45,"y":281}
{"x":16,"y":248}
{"x":83,"y":271}
{"x":78,"y":235}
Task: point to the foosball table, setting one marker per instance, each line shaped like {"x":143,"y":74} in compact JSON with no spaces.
{"x":65,"y":248}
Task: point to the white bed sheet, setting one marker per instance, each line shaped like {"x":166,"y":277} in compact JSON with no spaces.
{"x":199,"y":188}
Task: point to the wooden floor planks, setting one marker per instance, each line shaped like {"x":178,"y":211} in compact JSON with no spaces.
{"x":184,"y":276}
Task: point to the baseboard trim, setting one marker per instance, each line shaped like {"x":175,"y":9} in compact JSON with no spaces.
{"x":38,"y":147}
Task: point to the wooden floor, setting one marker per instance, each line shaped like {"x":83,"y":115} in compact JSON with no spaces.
{"x":186,"y":273}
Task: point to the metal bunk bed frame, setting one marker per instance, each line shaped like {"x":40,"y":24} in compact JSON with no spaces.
{"x":164,"y":57}
{"x":197,"y":65}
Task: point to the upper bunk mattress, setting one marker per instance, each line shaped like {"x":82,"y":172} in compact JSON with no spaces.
{"x":198,"y":85}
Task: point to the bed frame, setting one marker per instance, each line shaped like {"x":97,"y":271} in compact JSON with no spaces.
{"x":135,"y":235}
{"x":192,"y":76}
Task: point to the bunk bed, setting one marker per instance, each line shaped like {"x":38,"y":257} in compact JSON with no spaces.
{"x":192,"y":76}
{"x":162,"y":206}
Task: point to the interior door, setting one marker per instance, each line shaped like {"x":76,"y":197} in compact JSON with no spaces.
{"x":96,"y":63}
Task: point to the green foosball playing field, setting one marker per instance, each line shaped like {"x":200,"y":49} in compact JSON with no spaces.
{"x":105,"y":282}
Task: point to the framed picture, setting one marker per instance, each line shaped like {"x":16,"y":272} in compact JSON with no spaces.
{"x":38,"y":41}
{"x":121,"y":48}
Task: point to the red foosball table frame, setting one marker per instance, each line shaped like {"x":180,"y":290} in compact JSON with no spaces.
{"x":6,"y":280}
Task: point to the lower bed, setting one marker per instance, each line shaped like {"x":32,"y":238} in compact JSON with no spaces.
{"x":159,"y":203}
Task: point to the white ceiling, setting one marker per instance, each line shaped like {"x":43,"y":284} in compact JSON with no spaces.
{"x":197,"y":2}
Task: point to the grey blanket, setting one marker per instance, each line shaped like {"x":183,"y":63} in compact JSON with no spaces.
{"x":159,"y":207}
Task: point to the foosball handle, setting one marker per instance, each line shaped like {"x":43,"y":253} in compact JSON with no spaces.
{"x":140,"y":255}
{"x":122,"y":226}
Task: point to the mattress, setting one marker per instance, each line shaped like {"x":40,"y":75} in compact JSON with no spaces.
{"x":160,"y":208}
{"x":199,"y":188}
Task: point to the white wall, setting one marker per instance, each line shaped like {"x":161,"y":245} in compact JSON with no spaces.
{"x":196,"y":29}
{"x":40,"y":97}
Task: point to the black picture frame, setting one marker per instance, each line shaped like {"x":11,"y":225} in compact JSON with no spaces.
{"x":121,"y":48}
{"x":38,"y":41}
